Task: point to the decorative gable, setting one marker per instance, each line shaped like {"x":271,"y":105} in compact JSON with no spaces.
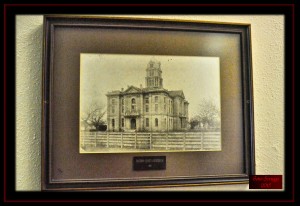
{"x":132,"y":89}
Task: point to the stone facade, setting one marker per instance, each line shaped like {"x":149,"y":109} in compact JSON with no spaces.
{"x":147,"y":109}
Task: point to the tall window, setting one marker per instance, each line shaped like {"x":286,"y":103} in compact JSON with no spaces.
{"x":113,"y":101}
{"x":122,"y":105}
{"x":113,"y":123}
{"x":133,"y":104}
{"x":147,"y":122}
{"x":156,"y":107}
{"x":165,"y":99}
{"x":165,"y":107}
{"x":156,"y":98}
{"x":122,"y":122}
{"x":181,"y":106}
{"x":146,"y":100}
{"x":113,"y":109}
{"x":147,"y":108}
{"x":156,"y":122}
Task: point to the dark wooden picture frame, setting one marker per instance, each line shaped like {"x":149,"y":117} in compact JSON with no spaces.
{"x":66,"y":37}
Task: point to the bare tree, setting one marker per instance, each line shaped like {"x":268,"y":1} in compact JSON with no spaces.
{"x":208,"y":114}
{"x":93,"y":116}
{"x":194,"y":122}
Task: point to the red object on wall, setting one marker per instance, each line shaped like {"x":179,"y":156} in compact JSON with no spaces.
{"x":265,"y":182}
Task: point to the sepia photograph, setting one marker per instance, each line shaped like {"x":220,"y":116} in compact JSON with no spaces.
{"x":149,"y":103}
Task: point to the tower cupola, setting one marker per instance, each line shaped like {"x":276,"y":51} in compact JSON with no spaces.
{"x":153,"y":74}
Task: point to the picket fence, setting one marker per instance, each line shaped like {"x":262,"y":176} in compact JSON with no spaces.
{"x":152,"y":140}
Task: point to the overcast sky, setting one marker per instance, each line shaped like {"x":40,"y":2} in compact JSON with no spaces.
{"x":198,"y":77}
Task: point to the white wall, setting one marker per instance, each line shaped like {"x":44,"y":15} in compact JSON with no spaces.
{"x":268,"y":79}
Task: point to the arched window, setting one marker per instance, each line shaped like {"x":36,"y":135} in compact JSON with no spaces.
{"x":133,"y":104}
{"x":156,"y":122}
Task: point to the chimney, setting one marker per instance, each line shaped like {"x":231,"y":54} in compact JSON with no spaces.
{"x":122,"y":89}
{"x":141,"y":86}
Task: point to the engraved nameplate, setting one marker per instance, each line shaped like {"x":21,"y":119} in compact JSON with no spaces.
{"x":149,"y":163}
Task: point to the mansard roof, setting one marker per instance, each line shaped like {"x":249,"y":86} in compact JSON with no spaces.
{"x":176,"y":93}
{"x":117,"y":92}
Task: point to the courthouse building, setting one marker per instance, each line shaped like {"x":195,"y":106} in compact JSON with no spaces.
{"x":152,"y":108}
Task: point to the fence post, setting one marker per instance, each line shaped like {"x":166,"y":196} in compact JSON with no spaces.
{"x":135,"y":141}
{"x":107,"y":139}
{"x":202,"y":138}
{"x":82,"y":138}
{"x":121,"y":139}
{"x":167,"y":140}
{"x":184,"y":141}
{"x":150,"y":140}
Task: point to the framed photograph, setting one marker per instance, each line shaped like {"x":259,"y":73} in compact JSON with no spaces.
{"x":131,"y":103}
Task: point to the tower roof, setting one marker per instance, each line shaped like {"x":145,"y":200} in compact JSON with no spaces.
{"x":153,"y":59}
{"x":154,"y":64}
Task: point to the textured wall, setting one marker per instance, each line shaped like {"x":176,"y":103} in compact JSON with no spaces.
{"x":268,"y":79}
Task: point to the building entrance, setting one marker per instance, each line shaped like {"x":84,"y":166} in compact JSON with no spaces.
{"x":133,"y":123}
